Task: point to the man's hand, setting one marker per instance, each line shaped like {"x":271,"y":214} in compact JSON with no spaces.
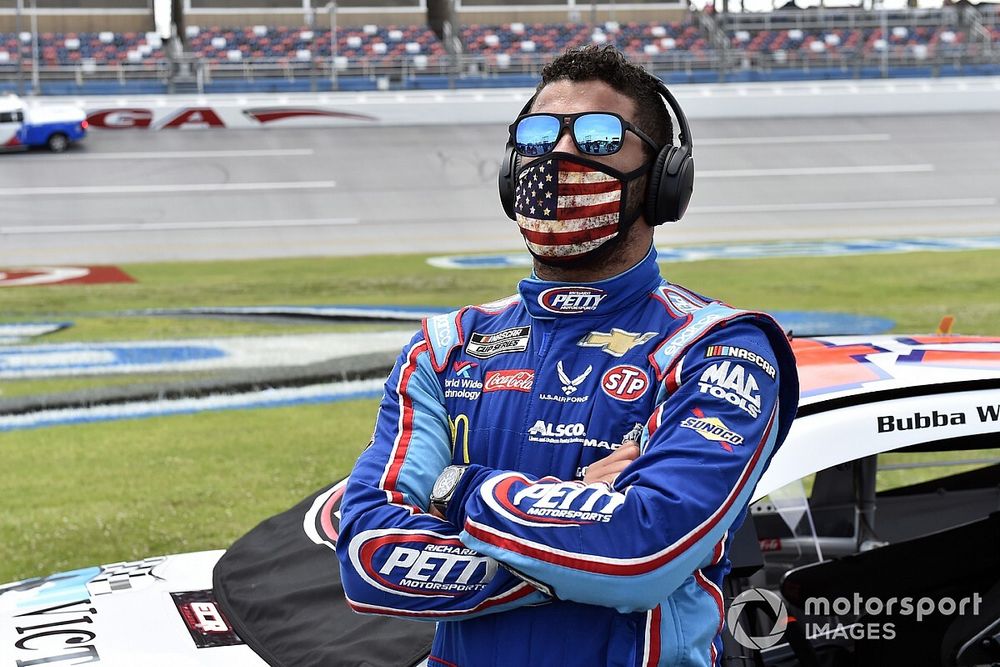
{"x":608,"y":468}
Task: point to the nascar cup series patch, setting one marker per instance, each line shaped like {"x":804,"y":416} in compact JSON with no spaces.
{"x":486,"y":345}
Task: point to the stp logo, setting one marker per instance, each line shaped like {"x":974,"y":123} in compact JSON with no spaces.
{"x":571,"y":300}
{"x":626,"y":383}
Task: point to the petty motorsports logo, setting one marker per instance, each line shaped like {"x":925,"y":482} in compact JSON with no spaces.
{"x":420,"y":563}
{"x":571,"y":300}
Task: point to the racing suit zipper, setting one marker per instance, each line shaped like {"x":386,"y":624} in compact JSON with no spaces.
{"x":548,"y":328}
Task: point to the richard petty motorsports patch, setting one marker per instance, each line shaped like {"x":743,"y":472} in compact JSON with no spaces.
{"x":420,"y":563}
{"x":486,"y":345}
{"x":551,"y":504}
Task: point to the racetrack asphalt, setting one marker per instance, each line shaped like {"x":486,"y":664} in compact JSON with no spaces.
{"x":132,"y":195}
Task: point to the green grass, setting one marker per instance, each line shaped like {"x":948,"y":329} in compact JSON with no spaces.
{"x":891,"y":479}
{"x":81,"y":495}
{"x":97,"y":493}
{"x":914,"y":289}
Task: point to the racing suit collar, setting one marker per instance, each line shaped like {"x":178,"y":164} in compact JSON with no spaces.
{"x":546,"y":299}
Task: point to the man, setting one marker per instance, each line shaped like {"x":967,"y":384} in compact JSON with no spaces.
{"x":554,"y":477}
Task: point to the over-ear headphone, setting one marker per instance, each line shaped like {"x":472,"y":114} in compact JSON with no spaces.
{"x":671,"y":177}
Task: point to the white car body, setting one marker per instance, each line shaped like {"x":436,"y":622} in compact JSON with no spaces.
{"x":132,"y":614}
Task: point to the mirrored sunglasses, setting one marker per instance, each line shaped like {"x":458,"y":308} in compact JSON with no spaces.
{"x":593,"y":132}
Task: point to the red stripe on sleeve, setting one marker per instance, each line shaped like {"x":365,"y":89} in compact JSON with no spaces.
{"x":391,"y":476}
{"x":653,"y":638}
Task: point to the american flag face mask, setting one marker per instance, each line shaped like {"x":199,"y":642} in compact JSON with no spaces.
{"x":568,"y":206}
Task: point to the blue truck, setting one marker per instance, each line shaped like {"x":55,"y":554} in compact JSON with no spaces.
{"x":54,"y":127}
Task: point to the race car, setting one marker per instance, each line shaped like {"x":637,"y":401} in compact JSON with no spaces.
{"x":25,"y":126}
{"x":826,"y":541}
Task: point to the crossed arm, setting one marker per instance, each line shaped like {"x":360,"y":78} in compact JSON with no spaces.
{"x":625,"y":537}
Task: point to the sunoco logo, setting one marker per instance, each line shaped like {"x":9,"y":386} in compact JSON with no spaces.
{"x":738,"y":621}
{"x":571,"y":300}
{"x":712,"y":428}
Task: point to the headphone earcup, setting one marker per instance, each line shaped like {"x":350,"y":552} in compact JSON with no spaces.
{"x":656,"y":177}
{"x":505,"y":181}
{"x":673,"y":177}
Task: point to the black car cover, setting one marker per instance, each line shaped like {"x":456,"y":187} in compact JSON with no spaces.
{"x":280,"y":589}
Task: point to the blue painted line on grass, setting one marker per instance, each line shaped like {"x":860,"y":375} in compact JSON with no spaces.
{"x":271,"y":398}
{"x":34,"y":358}
{"x":752,"y":251}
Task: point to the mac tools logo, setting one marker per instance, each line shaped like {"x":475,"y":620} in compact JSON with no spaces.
{"x":732,"y":383}
{"x":571,"y":300}
{"x":625,"y":383}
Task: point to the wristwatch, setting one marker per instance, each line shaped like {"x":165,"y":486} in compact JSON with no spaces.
{"x":444,"y":487}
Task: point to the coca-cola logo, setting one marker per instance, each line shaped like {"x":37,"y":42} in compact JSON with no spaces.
{"x":518,"y":379}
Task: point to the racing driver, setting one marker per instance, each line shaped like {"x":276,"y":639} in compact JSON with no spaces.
{"x":554,"y":477}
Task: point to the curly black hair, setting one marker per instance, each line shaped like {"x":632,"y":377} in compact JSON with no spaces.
{"x":608,"y":64}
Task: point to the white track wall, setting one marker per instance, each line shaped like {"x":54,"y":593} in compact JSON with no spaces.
{"x":763,"y":100}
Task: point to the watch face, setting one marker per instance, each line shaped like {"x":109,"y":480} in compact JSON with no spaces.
{"x":446,"y":481}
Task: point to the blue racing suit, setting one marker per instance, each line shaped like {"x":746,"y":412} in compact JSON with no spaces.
{"x":532,"y":566}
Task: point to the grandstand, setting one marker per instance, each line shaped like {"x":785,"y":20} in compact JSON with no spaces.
{"x":279,"y":45}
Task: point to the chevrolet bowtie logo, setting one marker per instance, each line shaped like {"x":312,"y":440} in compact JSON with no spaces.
{"x":617,"y":342}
